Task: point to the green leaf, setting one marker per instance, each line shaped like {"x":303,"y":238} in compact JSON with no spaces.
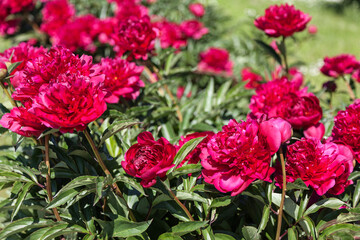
{"x":168,"y":131}
{"x":187,"y":227}
{"x":169,"y":236}
{"x":221,"y":202}
{"x":21,"y":198}
{"x":123,"y":228}
{"x":292,"y":234}
{"x":116,"y":127}
{"x":309,"y":227}
{"x":185,"y":170}
{"x":222,"y":236}
{"x":221,"y":93}
{"x":132,"y":182}
{"x":268,"y":49}
{"x":47,"y":132}
{"x":264,"y":219}
{"x":250,"y":233}
{"x":340,"y":228}
{"x":23,"y":225}
{"x":356,"y":196}
{"x":290,"y":207}
{"x":297,"y":184}
{"x":209,"y":96}
{"x":63,"y":197}
{"x":190,"y":196}
{"x":187,"y":148}
{"x":332,"y":203}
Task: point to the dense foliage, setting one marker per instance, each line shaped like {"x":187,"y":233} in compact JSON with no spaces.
{"x":138,"y":119}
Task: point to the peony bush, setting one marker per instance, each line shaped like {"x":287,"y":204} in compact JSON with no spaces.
{"x":135,"y":120}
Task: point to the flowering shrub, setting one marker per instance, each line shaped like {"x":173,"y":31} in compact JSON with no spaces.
{"x":139,"y":119}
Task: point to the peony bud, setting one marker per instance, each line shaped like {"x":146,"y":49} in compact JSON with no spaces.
{"x":276,"y":131}
{"x":316,"y":131}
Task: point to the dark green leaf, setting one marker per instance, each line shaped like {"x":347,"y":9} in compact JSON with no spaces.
{"x":21,"y":198}
{"x":250,"y":233}
{"x":268,"y":49}
{"x":13,"y":66}
{"x":116,"y":127}
{"x":290,"y":207}
{"x":264,"y":219}
{"x":23,"y":225}
{"x":220,"y":202}
{"x":332,"y":203}
{"x":222,"y":236}
{"x":356,"y":195}
{"x":187,"y":227}
{"x":169,"y":236}
{"x":298,"y":184}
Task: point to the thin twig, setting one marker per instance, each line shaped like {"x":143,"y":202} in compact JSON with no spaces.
{"x":8,"y":95}
{"x":180,"y":204}
{"x":349,"y":89}
{"x":48,"y":178}
{"x":107,"y":172}
{"x":282,"y":194}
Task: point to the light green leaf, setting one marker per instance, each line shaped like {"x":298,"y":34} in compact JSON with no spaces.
{"x":21,"y":198}
{"x":332,"y":203}
{"x":250,"y":233}
{"x":187,"y":227}
{"x":116,"y":127}
{"x":23,"y":225}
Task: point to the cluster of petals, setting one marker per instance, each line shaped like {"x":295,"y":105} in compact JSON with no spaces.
{"x":122,"y":79}
{"x":282,"y":20}
{"x":197,"y":9}
{"x":215,"y":60}
{"x":193,"y":29}
{"x":194,"y":156}
{"x":170,"y":34}
{"x":241,"y":153}
{"x":62,"y":90}
{"x":149,"y":159}
{"x":347,"y":128}
{"x":284,"y":98}
{"x":128,"y":8}
{"x":340,"y":65}
{"x":323,"y":166}
{"x":20,"y":53}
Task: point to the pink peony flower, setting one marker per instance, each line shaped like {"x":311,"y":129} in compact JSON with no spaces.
{"x":193,"y":29}
{"x":194,"y":156}
{"x":347,"y":128}
{"x":21,"y":53}
{"x":283,"y":20}
{"x":285,"y":99}
{"x":136,"y":36}
{"x":170,"y":34}
{"x":197,"y":9}
{"x":312,"y":29}
{"x":325,"y":167}
{"x":82,"y":34}
{"x":339,"y":65}
{"x":238,"y":155}
{"x":20,"y":121}
{"x":253,"y":78}
{"x":277,"y":132}
{"x":149,"y":159}
{"x":7,"y":26}
{"x":215,"y":60}
{"x":122,"y":79}
{"x":356,"y":75}
{"x":315,"y":131}
{"x":129,"y":8}
{"x":105,"y":28}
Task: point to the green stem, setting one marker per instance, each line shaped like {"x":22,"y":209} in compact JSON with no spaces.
{"x":285,"y":57}
{"x":282,"y":194}
{"x":8,"y":95}
{"x":180,"y":204}
{"x":107,"y":172}
{"x":48,"y":178}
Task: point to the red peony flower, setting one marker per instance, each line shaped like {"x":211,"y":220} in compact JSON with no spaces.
{"x":194,"y":156}
{"x":215,"y":60}
{"x":325,"y":167}
{"x":329,"y":86}
{"x":347,"y":128}
{"x":170,"y":34}
{"x":21,"y":53}
{"x":197,"y":9}
{"x":356,"y":75}
{"x":149,"y":159}
{"x":82,"y":34}
{"x":129,"y":8}
{"x":240,"y":154}
{"x":54,"y":66}
{"x":136,"y":36}
{"x":20,"y":121}
{"x":193,"y":29}
{"x":69,"y":105}
{"x":61,"y":89}
{"x":7,"y":26}
{"x":283,"y":98}
{"x":56,"y":14}
{"x":122,"y":79}
{"x":315,"y":131}
{"x":253,"y":78}
{"x":339,"y":65}
{"x":283,"y":20}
